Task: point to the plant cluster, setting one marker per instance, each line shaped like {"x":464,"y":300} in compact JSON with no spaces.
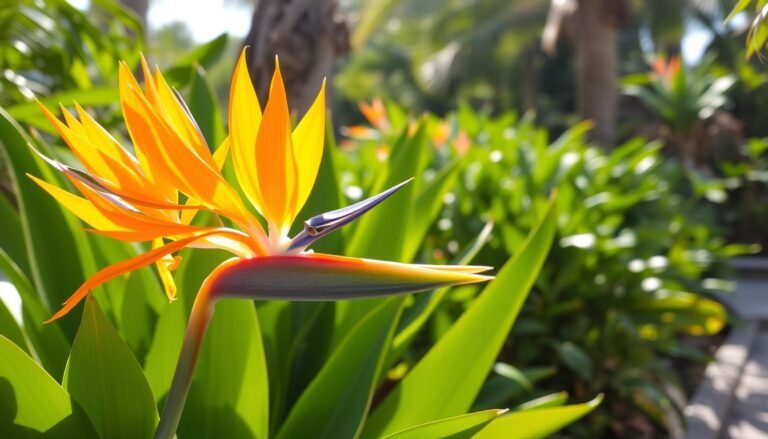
{"x":636,"y":259}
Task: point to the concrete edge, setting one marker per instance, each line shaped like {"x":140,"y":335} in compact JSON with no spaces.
{"x":705,"y":415}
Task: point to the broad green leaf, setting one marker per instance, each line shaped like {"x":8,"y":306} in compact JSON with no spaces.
{"x":415,"y":317}
{"x":34,"y":405}
{"x":433,"y":391}
{"x":104,"y":377}
{"x":457,"y":427}
{"x":336,"y":402}
{"x":277,"y":333}
{"x":205,"y":108}
{"x":30,"y":112}
{"x":310,"y":343}
{"x":12,"y":238}
{"x":163,"y":354}
{"x":536,"y":423}
{"x":48,"y":341}
{"x":204,"y":55}
{"x":52,"y":238}
{"x":229,"y":393}
{"x":381,"y":233}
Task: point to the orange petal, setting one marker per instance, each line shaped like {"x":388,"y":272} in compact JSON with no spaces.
{"x":308,"y":139}
{"x":274,"y":158}
{"x":177,"y":116}
{"x":123,"y":267}
{"x":179,"y":164}
{"x":146,"y":155}
{"x":244,"y":122}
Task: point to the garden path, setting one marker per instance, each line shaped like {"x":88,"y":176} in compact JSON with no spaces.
{"x":732,"y":400}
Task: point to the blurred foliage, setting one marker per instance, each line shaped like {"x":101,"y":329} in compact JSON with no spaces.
{"x":637,"y":257}
{"x":48,"y":47}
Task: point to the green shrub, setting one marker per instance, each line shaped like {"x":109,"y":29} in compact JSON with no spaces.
{"x":636,"y":258}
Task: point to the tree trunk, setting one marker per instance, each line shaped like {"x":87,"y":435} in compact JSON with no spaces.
{"x":597,"y":58}
{"x":307,"y":35}
{"x":140,"y":8}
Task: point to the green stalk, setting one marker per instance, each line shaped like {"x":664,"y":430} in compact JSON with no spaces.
{"x":202,"y":311}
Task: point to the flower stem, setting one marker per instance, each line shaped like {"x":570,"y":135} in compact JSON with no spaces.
{"x":202,"y":311}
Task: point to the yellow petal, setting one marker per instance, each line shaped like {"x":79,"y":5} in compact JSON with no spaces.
{"x":80,"y":207}
{"x":274,"y":158}
{"x":244,"y":122}
{"x":151,"y":168}
{"x":308,"y":139}
{"x":98,"y":136}
{"x":164,"y":265}
{"x":177,"y":117}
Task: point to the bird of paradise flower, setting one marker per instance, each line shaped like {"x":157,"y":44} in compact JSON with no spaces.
{"x":154,"y":194}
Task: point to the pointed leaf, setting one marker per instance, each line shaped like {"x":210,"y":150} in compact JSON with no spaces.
{"x":346,"y":382}
{"x":536,"y":423}
{"x":44,"y":224}
{"x":229,"y":393}
{"x":457,"y":427}
{"x":32,"y":404}
{"x":104,"y":378}
{"x":429,"y":203}
{"x":431,"y":390}
{"x":50,"y":345}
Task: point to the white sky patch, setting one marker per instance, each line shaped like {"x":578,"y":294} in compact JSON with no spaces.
{"x":10,"y":297}
{"x":206,"y":19}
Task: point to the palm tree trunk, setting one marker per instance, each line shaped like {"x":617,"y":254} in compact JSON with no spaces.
{"x":307,"y":35}
{"x":597,"y":70}
{"x":140,"y":8}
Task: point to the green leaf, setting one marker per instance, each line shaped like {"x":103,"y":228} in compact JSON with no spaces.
{"x":205,"y":108}
{"x":104,"y":377}
{"x":429,"y":203}
{"x":740,"y":6}
{"x":164,"y":351}
{"x":433,"y":391}
{"x":381,"y":233}
{"x":12,"y":238}
{"x":336,"y":402}
{"x":551,"y":400}
{"x":576,"y":359}
{"x":50,"y":235}
{"x":48,"y":341}
{"x":457,"y":427}
{"x":537,"y":423}
{"x":501,"y":388}
{"x":230,"y":390}
{"x":204,"y":55}
{"x":107,"y":95}
{"x":32,"y":404}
